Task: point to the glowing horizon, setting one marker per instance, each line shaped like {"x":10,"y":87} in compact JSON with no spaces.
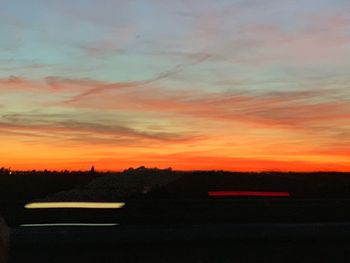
{"x":193,"y":85}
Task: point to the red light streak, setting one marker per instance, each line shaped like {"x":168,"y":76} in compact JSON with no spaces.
{"x":247,"y":194}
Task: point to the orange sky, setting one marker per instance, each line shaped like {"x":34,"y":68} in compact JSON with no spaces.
{"x":231,"y":85}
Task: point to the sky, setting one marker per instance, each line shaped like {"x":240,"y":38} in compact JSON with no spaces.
{"x":245,"y":85}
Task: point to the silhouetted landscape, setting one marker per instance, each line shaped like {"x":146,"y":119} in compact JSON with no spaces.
{"x":163,"y":197}
{"x":155,"y":195}
{"x":163,"y":183}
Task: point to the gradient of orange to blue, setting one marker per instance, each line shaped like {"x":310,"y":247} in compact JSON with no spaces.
{"x":190,"y":84}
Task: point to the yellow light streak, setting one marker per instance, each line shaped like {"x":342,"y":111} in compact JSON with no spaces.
{"x":87,"y":205}
{"x":70,"y":224}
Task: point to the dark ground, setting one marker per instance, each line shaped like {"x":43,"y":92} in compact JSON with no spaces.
{"x":157,"y":183}
{"x":175,"y":206}
{"x":190,"y":243}
{"x":166,"y":196}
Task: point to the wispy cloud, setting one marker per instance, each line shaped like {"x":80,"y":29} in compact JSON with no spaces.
{"x":286,"y":109}
{"x":290,"y":109}
{"x":115,"y":41}
{"x":64,"y":127}
{"x":100,"y":87}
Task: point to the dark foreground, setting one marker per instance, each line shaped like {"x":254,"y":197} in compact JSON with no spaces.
{"x":169,"y":217}
{"x":219,"y":230}
{"x":316,"y":242}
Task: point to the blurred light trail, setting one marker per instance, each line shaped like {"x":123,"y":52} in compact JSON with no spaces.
{"x":247,"y":194}
{"x":69,"y":224}
{"x":92,"y":205}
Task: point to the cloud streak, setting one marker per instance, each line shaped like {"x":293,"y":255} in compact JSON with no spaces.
{"x":288,"y":109}
{"x":100,"y":87}
{"x":38,"y":125}
{"x":311,"y":109}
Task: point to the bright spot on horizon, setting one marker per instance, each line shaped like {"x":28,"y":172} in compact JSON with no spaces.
{"x":87,"y":205}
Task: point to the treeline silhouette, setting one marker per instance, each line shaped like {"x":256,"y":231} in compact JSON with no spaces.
{"x":27,"y":185}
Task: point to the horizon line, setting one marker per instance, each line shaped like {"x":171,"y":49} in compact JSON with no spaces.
{"x":168,"y":168}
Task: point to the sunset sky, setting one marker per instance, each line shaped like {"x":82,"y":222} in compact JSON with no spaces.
{"x":188,"y":84}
